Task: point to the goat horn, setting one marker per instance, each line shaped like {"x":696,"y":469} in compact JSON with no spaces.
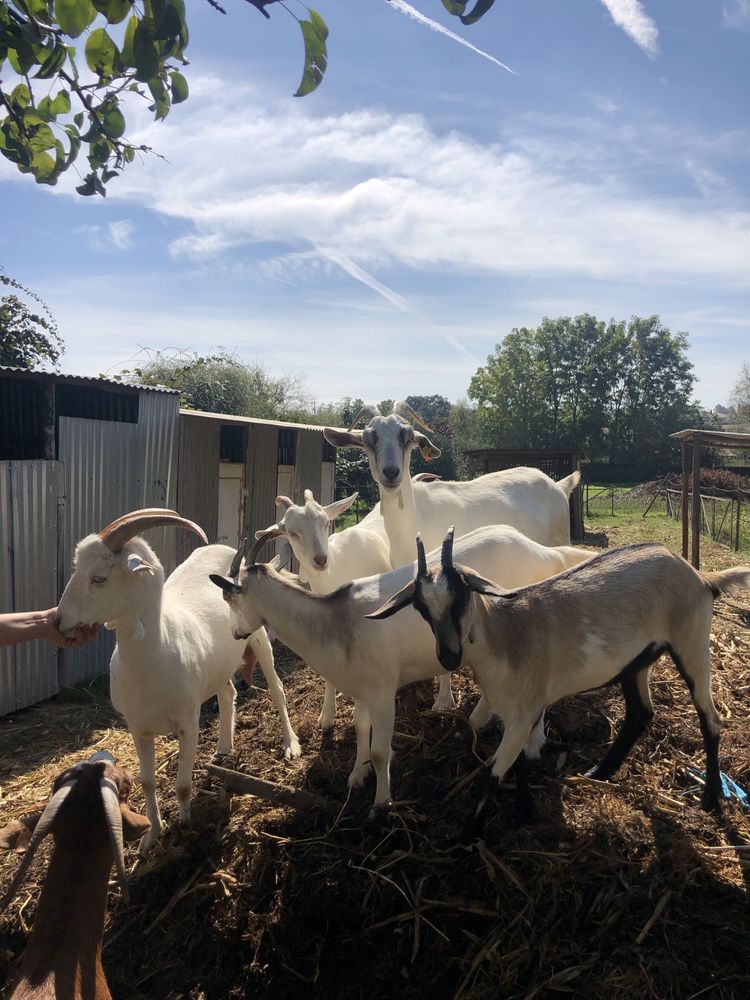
{"x":446,"y":555}
{"x":369,"y":410}
{"x":111,"y":802}
{"x":40,"y":832}
{"x":421,"y":558}
{"x":124,"y":528}
{"x":309,"y":495}
{"x":284,"y":502}
{"x":234,"y":569}
{"x":252,"y":555}
{"x":404,"y":410}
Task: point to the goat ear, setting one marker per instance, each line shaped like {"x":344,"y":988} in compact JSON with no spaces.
{"x":428,"y":449}
{"x":481,"y":585}
{"x":275,"y":531}
{"x":227,"y":585}
{"x":138,"y":565}
{"x":17,"y":834}
{"x":343,"y":439}
{"x":133,"y":824}
{"x":335,"y":509}
{"x":399,"y":600}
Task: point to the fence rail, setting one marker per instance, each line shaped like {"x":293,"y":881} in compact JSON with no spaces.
{"x":724,"y":515}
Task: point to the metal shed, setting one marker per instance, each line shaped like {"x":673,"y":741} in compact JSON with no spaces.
{"x":232,"y":468}
{"x":556,"y":462}
{"x":74,"y":454}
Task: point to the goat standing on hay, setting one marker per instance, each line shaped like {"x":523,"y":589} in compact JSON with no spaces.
{"x":367,"y":662}
{"x":174,"y":648}
{"x":525,"y":498}
{"x":603,"y":622}
{"x":89,"y":818}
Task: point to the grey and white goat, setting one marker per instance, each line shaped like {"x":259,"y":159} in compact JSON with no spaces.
{"x":369,"y":662}
{"x":600,"y":623}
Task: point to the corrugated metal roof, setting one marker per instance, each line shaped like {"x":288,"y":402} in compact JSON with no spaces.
{"x":91,"y":380}
{"x":231,"y":418}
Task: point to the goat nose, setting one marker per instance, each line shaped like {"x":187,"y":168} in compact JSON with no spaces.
{"x":390,"y":472}
{"x":321,"y":561}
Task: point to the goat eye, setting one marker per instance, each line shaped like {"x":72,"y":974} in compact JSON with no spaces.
{"x":98,"y":579}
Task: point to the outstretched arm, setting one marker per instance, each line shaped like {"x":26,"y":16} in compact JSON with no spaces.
{"x":21,"y":626}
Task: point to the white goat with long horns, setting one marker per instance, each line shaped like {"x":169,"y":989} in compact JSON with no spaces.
{"x":174,"y":648}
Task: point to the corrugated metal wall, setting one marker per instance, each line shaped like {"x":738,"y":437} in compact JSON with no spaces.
{"x":29,"y":494}
{"x":198,"y":486}
{"x":111,"y":468}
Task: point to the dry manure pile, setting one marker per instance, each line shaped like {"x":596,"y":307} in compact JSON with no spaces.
{"x":622,"y":889}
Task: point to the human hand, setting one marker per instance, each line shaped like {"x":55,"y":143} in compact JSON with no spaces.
{"x":76,"y":637}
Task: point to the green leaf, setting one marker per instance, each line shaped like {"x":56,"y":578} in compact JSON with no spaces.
{"x":78,"y":119}
{"x":113,"y":120}
{"x":314,"y":34}
{"x":128,"y":58}
{"x":74,"y":16}
{"x":114,"y":10}
{"x":160,"y":95}
{"x":164,"y":19}
{"x":455,"y":7}
{"x":42,"y":166}
{"x":180,"y":90}
{"x":102,"y":55}
{"x":20,"y":96}
{"x":52,"y":62}
{"x":145,"y":54}
{"x":21,"y":57}
{"x":480,"y":9}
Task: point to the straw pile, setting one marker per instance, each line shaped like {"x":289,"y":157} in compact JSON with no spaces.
{"x":619,"y":890}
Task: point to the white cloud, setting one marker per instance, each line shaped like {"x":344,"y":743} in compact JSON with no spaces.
{"x":384,"y":190}
{"x":736,"y":14}
{"x":114,"y":236}
{"x":635,"y":22}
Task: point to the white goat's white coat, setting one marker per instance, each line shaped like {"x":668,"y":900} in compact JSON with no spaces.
{"x":174,"y":650}
{"x":366,"y":660}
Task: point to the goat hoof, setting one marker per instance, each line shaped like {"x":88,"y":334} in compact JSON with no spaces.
{"x":381,"y":814}
{"x":293,"y":751}
{"x":221,"y":757}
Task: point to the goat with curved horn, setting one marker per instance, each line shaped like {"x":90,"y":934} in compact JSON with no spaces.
{"x":129,"y":525}
{"x":421,"y":558}
{"x":174,"y":646}
{"x":404,"y":410}
{"x":368,"y":411}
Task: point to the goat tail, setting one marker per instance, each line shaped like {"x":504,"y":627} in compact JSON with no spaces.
{"x":728,"y":581}
{"x":570,"y":482}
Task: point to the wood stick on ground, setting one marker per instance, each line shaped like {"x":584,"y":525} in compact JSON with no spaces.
{"x":246,"y":784}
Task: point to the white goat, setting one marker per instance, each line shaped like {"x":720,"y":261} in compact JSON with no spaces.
{"x":368,"y":662}
{"x":525,"y":498}
{"x":174,"y":649}
{"x":604,"y":622}
{"x":329,"y":561}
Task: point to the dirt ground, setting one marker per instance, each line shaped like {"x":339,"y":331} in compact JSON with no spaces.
{"x":619,"y":889}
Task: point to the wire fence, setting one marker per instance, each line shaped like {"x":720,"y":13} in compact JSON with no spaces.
{"x":724,"y":517}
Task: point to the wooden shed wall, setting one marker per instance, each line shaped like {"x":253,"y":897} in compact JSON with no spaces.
{"x":198,"y":481}
{"x":261,"y":471}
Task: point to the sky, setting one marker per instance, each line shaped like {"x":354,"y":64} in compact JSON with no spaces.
{"x":444,"y":185}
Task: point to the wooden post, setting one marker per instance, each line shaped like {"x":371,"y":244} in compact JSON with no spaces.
{"x":685,"y":521}
{"x":737,"y":523}
{"x":696,"y":549}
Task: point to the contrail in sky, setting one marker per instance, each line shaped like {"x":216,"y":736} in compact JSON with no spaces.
{"x":406,"y":8}
{"x":400,"y":303}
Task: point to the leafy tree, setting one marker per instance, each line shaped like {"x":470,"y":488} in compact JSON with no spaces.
{"x":136,"y":52}
{"x":740,"y":397}
{"x":617,"y":389}
{"x":220,"y":383}
{"x":28,"y":337}
{"x":435,"y":411}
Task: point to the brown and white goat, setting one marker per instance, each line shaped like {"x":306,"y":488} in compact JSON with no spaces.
{"x":603,"y":622}
{"x":89,"y":818}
